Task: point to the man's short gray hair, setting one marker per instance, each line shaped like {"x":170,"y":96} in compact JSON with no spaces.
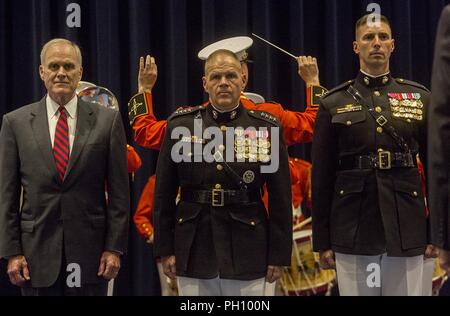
{"x":218,"y":52}
{"x":61,"y":41}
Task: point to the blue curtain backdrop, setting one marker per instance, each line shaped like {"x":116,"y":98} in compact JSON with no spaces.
{"x":114,"y":33}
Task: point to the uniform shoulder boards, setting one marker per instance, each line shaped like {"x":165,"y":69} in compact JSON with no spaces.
{"x":264,"y":116}
{"x":186,"y":110}
{"x":338,"y":88}
{"x":137,"y":107}
{"x":314,"y":94}
{"x":412,"y":83}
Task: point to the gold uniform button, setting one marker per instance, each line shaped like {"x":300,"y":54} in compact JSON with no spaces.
{"x":342,"y":192}
{"x":379,"y":130}
{"x":144,"y":225}
{"x":252,"y":223}
{"x":180,"y":220}
{"x":219,"y":167}
{"x":377,"y":93}
{"x":221,"y":147}
{"x":223,"y":128}
{"x":147,"y":230}
{"x":218,"y":187}
{"x":349,"y":123}
{"x":415,"y":194}
{"x":378,"y":109}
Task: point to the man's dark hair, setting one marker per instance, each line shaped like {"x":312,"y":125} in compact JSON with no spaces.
{"x":362,"y":21}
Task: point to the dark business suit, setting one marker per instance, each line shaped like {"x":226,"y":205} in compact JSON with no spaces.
{"x":439,"y":136}
{"x":75,"y":215}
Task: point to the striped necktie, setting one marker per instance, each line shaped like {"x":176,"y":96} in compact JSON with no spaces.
{"x":61,"y":146}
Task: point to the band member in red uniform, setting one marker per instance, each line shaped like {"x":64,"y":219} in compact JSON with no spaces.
{"x":297,"y":126}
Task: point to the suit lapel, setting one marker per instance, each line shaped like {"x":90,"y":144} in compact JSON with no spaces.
{"x":40,"y":127}
{"x":85,"y":122}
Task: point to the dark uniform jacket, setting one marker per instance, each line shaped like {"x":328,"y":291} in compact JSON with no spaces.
{"x":239,"y":239}
{"x":360,"y":205}
{"x":439,"y":137}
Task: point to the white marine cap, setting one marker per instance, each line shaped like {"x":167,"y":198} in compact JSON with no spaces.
{"x":83,"y":85}
{"x":237,"y":45}
{"x":256,"y":98}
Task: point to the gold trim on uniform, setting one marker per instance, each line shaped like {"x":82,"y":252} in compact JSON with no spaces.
{"x":137,"y":107}
{"x":349,"y":108}
{"x":193,"y":139}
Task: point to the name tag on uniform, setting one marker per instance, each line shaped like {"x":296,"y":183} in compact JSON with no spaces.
{"x":193,"y":139}
{"x":349,"y":108}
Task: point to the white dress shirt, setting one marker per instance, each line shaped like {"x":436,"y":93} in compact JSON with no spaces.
{"x":53,"y":116}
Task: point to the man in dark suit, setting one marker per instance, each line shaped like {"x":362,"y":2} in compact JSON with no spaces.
{"x":438,"y":142}
{"x":369,"y":211}
{"x":219,"y":239}
{"x":67,"y":236}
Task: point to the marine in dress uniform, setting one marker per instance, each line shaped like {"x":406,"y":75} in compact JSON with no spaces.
{"x":219,"y":236}
{"x":368,"y":205}
{"x":297,"y":126}
{"x":149,"y":132}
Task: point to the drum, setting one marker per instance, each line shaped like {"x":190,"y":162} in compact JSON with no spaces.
{"x":304,"y":277}
{"x":90,"y":92}
{"x":439,"y":278}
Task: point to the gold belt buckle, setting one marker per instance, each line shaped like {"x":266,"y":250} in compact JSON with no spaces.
{"x":384,"y":160}
{"x":218,"y":197}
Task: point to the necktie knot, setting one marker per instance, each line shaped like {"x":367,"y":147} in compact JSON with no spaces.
{"x":62,"y":111}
